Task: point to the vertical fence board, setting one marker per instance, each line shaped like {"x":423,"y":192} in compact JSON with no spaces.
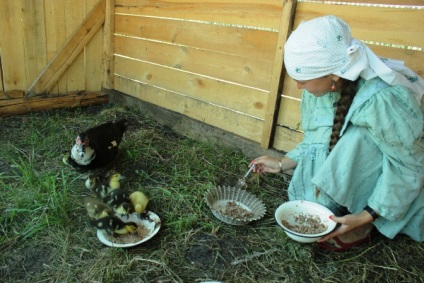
{"x":93,"y":55}
{"x":273,"y":101}
{"x":55,"y":33}
{"x":12,"y":46}
{"x":108,"y":70}
{"x":75,"y":75}
{"x":34,"y":37}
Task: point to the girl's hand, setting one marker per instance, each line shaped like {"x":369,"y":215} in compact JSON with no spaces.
{"x":264,"y":164}
{"x":349,"y":223}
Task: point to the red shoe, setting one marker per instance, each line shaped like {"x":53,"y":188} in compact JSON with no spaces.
{"x":336,"y":245}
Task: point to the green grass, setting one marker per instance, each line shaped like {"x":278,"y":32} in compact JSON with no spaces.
{"x":45,"y":236}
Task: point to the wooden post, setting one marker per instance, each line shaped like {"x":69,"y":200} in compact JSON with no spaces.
{"x":109,"y":46}
{"x":286,"y":24}
{"x":64,"y":57}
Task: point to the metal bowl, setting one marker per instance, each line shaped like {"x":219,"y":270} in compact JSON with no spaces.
{"x":218,"y":199}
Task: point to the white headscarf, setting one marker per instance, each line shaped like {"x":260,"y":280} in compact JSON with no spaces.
{"x":324,"y":46}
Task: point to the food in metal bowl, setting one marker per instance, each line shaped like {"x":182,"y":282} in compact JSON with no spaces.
{"x":234,"y":206}
{"x":232,"y":209}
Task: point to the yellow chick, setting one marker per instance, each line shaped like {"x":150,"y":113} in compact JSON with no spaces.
{"x":96,"y":209}
{"x":139,"y":202}
{"x":114,"y":226}
{"x":92,"y":182}
{"x":66,"y":158}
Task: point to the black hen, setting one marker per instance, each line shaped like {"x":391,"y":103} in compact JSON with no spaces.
{"x":97,"y":147}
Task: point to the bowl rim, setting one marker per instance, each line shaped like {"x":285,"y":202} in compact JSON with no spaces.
{"x":318,"y":235}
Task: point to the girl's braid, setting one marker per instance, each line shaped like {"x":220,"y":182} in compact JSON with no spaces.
{"x":348,"y":92}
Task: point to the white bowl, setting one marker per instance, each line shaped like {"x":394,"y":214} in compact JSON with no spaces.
{"x":219,"y":197}
{"x":152,"y":224}
{"x":288,"y":211}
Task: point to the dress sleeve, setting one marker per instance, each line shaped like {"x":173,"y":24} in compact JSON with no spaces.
{"x":394,"y":121}
{"x":296,"y":153}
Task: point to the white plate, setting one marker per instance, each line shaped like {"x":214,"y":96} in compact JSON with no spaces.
{"x":153,"y":225}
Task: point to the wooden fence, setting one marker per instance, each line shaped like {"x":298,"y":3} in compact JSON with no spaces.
{"x":215,"y":61}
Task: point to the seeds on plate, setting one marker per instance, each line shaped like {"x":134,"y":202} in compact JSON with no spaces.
{"x":130,"y":238}
{"x":232,"y":209}
{"x":306,"y":224}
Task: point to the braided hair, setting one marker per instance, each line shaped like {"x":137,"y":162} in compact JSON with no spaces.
{"x":348,"y":92}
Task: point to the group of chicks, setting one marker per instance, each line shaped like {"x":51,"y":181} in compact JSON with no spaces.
{"x":97,"y":148}
{"x":113,"y":204}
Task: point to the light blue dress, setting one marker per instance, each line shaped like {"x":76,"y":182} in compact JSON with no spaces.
{"x":379,"y":159}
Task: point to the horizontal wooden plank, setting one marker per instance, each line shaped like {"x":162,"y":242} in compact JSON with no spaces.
{"x":246,"y":100}
{"x":257,"y":13}
{"x":5,"y":95}
{"x":223,"y":118}
{"x":244,"y":71}
{"x":378,"y":2}
{"x":289,"y":114}
{"x":290,"y":88}
{"x":378,"y":24}
{"x":225,"y":39}
{"x":286,"y":139}
{"x":16,"y":106}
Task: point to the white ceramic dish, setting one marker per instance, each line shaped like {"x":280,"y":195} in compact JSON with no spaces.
{"x":218,"y":198}
{"x":153,"y":225}
{"x":289,"y":210}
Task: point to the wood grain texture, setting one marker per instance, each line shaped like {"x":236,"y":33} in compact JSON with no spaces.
{"x":55,"y":35}
{"x":285,"y":27}
{"x":378,"y":24}
{"x":373,"y":2}
{"x":286,"y":139}
{"x":290,"y":114}
{"x":12,"y":46}
{"x":69,"y":52}
{"x":34,"y":38}
{"x":1,"y":75}
{"x":245,"y":71}
{"x":20,"y":105}
{"x":108,"y":64}
{"x":75,"y":76}
{"x":221,"y":117}
{"x":93,"y":55}
{"x":254,"y":13}
{"x":223,"y":94}
{"x":250,"y":43}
